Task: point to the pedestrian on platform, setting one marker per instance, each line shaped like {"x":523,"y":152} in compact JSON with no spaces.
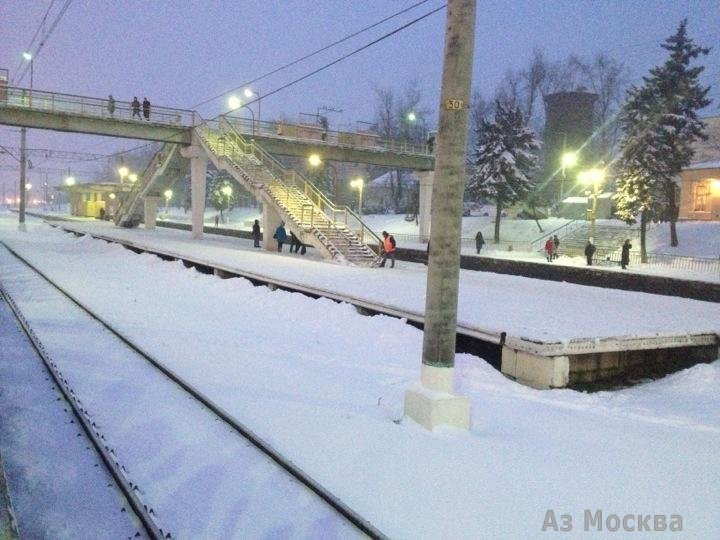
{"x":146,"y":108}
{"x":589,"y":251}
{"x":549,"y":249}
{"x":135,"y":107}
{"x":295,"y":243}
{"x":217,"y":220}
{"x":388,"y":249}
{"x":280,"y":235}
{"x":479,"y":242}
{"x":256,"y":234}
{"x":625,"y":255}
{"x":111,"y":105}
{"x":556,"y":249}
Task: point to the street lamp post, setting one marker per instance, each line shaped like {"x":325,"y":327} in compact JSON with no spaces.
{"x":593,"y":178}
{"x":227,"y":191}
{"x":358,"y":184}
{"x":235,"y":103}
{"x":23,"y":154}
{"x":168,"y":195}
{"x":250,"y":93}
{"x":123,"y":172}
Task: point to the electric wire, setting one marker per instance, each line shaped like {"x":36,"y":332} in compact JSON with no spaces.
{"x":37,"y":31}
{"x":344,"y":57}
{"x":310,"y":55}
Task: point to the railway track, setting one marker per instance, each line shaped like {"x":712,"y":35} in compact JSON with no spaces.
{"x":141,"y":507}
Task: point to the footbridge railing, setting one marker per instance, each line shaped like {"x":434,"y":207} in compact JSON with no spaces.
{"x":291,"y":179}
{"x":39,"y":100}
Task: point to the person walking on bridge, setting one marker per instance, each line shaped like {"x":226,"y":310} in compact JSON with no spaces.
{"x":146,"y":108}
{"x":388,"y":249}
{"x":280,"y":235}
{"x":111,"y":105}
{"x":135,"y":107}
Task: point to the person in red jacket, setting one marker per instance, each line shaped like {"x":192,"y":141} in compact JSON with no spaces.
{"x":388,"y":249}
{"x":549,"y":249}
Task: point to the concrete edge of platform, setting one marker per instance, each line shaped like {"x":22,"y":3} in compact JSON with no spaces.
{"x":8,"y":523}
{"x":535,"y":363}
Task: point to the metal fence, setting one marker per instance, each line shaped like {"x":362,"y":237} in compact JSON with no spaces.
{"x":40,"y":100}
{"x":703,"y":265}
{"x":366,"y":140}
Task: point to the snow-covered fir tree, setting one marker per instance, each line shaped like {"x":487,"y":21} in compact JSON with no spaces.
{"x":660,"y":123}
{"x":504,"y":159}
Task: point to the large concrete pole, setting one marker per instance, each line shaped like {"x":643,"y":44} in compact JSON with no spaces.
{"x":431,"y":401}
{"x":151,"y":204}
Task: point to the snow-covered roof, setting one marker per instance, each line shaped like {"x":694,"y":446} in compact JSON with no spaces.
{"x":715,"y":164}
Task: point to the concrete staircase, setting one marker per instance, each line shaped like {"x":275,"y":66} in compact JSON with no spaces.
{"x":608,"y":238}
{"x":164,"y":167}
{"x":336,"y":231}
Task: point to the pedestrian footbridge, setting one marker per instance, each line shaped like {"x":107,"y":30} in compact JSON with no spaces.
{"x":243,"y":148}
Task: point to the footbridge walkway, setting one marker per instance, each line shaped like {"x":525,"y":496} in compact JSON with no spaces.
{"x":245,"y":149}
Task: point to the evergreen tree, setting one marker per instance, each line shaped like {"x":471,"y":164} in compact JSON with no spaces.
{"x":505,"y":156}
{"x":660,"y":124}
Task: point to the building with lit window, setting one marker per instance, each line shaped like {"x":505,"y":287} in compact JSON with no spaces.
{"x":700,"y":182}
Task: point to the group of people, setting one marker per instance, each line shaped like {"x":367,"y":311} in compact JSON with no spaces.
{"x":134,"y":106}
{"x":552,"y":248}
{"x":280,"y":236}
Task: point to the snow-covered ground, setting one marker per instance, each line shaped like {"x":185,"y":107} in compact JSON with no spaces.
{"x":325,"y":385}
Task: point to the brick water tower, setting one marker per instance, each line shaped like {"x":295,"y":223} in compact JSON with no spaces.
{"x":568,"y":128}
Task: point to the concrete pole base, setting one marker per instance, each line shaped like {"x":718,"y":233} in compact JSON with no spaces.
{"x":431,"y":401}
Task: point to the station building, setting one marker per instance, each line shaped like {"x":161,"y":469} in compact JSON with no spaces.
{"x":95,"y":199}
{"x":700,"y":182}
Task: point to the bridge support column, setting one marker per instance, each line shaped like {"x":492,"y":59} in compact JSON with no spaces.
{"x":151,"y":212}
{"x":270,"y":221}
{"x":198,"y":183}
{"x":426,"y":182}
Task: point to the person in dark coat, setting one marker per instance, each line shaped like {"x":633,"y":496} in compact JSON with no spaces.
{"x":294,"y":243}
{"x":146,"y":108}
{"x":280,"y":235}
{"x":625,"y":256}
{"x":256,"y":234}
{"x":556,"y":242}
{"x":479,"y":241}
{"x":589,"y":251}
{"x":135,"y":107}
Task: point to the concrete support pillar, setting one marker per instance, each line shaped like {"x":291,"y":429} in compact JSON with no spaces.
{"x":151,"y":212}
{"x":426,"y":182}
{"x":198,"y":182}
{"x":270,"y":221}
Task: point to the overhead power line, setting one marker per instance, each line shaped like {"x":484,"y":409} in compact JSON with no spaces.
{"x":346,"y":56}
{"x":310,"y":55}
{"x":37,"y":31}
{"x":44,"y":39}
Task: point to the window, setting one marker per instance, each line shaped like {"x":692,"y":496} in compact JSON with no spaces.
{"x":701,"y":197}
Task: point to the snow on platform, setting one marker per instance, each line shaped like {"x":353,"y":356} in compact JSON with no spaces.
{"x":325,"y":386}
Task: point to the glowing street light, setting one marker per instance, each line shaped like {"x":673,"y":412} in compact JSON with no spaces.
{"x":123,"y":172}
{"x":28,"y":187}
{"x":132,"y":177}
{"x":69,"y":180}
{"x":314,"y":160}
{"x":112,"y":196}
{"x":411,"y":116}
{"x":358,"y":184}
{"x":168,"y":195}
{"x":226,"y":190}
{"x":27,"y":56}
{"x":234,"y":102}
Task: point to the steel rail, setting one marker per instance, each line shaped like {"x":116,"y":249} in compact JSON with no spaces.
{"x":266,"y":448}
{"x":113,"y":467}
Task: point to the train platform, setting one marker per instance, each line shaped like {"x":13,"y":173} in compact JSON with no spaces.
{"x":549,"y":334}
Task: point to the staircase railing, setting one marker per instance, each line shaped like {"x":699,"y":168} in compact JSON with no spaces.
{"x":126,"y":205}
{"x":292,"y":179}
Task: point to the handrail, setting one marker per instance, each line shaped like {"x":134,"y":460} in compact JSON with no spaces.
{"x":280,"y":173}
{"x":15,"y":96}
